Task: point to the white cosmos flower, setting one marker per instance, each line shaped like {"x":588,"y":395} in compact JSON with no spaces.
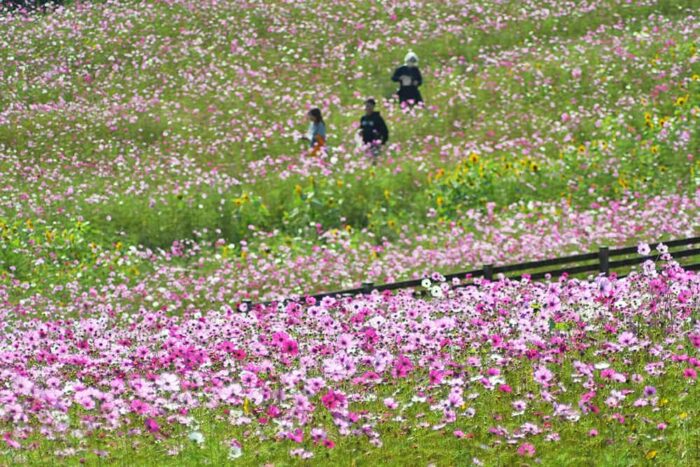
{"x":196,"y":437}
{"x":234,"y":452}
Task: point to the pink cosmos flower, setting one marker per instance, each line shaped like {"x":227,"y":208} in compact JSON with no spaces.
{"x":643,"y":249}
{"x":505,"y":388}
{"x":290,"y":347}
{"x":297,"y":435}
{"x":519,"y":406}
{"x":333,"y":400}
{"x":543,"y":376}
{"x":152,"y":425}
{"x":626,"y":339}
{"x":526,"y":450}
{"x":390,"y":403}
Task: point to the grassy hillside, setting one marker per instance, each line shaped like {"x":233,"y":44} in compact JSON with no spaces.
{"x":151,"y":178}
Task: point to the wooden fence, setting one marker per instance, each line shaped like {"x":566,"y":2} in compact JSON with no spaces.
{"x":602,"y":262}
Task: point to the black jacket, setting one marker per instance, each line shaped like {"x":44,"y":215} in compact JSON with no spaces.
{"x":374,"y":128}
{"x":411,"y":91}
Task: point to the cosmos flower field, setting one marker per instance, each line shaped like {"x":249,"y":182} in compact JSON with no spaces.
{"x":151,"y":179}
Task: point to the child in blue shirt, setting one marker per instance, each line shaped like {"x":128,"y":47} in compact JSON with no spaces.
{"x":316,"y":136}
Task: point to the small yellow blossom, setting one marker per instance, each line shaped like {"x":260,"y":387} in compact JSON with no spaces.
{"x":681,"y":100}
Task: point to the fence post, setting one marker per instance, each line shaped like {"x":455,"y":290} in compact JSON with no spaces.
{"x":367,"y":287}
{"x":604,"y":260}
{"x":488,"y":272}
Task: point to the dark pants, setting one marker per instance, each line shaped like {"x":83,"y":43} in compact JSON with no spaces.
{"x":409,"y":93}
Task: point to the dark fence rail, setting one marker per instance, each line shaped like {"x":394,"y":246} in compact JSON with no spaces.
{"x":597,"y":262}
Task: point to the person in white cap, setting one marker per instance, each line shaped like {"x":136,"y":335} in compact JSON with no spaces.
{"x":409,"y":78}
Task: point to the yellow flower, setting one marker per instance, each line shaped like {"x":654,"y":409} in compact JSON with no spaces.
{"x":339,"y":183}
{"x":651,"y":454}
{"x":681,"y":100}
{"x":118,"y":246}
{"x":663,"y":402}
{"x":440,"y":200}
{"x":654,"y":149}
{"x":473,"y":158}
{"x":297,"y":189}
{"x":581,"y":149}
{"x":246,"y":406}
{"x":695,"y":77}
{"x":683,"y":415}
{"x":387,"y":194}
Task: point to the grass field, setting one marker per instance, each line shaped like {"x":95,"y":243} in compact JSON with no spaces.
{"x":151,"y":178}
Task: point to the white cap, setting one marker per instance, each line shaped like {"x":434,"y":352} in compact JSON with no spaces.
{"x":410,"y":57}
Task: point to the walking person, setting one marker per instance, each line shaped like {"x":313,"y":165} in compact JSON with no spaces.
{"x":316,"y":136}
{"x":409,"y":78}
{"x":373,"y":129}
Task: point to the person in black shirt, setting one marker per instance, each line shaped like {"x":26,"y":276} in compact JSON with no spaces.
{"x":409,"y":78}
{"x":373,"y":128}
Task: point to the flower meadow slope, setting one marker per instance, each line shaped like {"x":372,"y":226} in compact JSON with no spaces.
{"x":203,"y":273}
{"x":152,"y":119}
{"x":150,"y":180}
{"x":499,"y":370}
